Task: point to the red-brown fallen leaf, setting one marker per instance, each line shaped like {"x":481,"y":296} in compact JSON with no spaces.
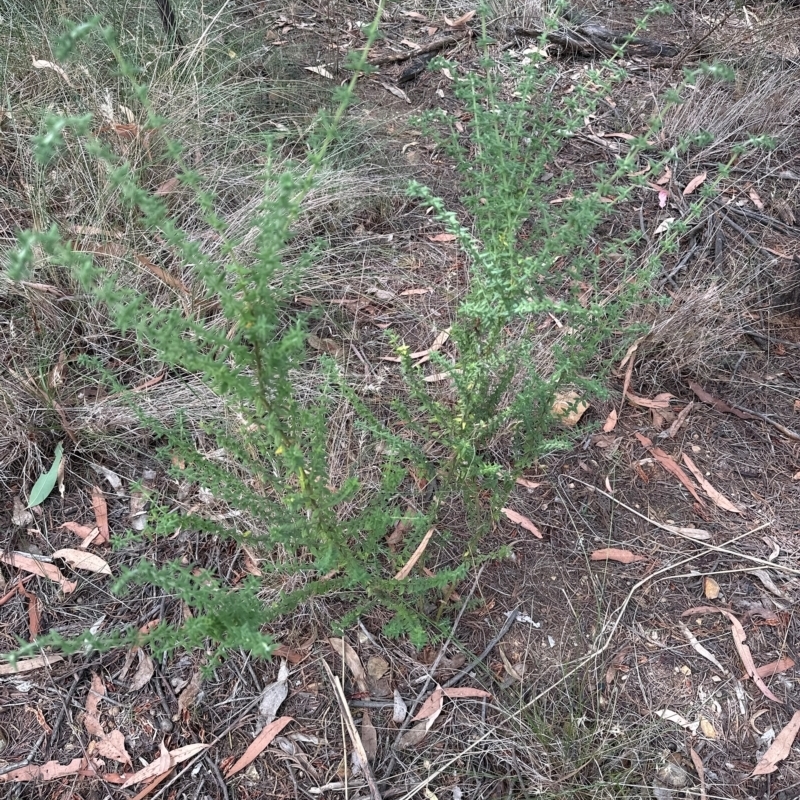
{"x":292,"y":656}
{"x":168,"y":186}
{"x":432,"y":705}
{"x":524,"y":521}
{"x":780,"y":748}
{"x":112,"y":746}
{"x":34,"y":611}
{"x":671,"y":466}
{"x":660,"y":401}
{"x":96,"y":693}
{"x":694,"y":183}
{"x":50,"y":771}
{"x":465,"y":691}
{"x":461,"y":21}
{"x":79,"y":530}
{"x":163,"y":763}
{"x":100,"y":508}
{"x":717,"y":404}
{"x":716,"y":496}
{"x":42,"y":568}
{"x":739,"y":639}
{"x":701,"y":772}
{"x":773,"y":668}
{"x":164,"y":276}
{"x":611,"y":421}
{"x":258,"y":744}
{"x":614,"y":554}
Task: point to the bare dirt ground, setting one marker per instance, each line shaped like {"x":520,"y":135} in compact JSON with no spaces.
{"x":667,"y":567}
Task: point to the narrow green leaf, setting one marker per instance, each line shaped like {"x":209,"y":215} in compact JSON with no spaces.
{"x":42,"y":488}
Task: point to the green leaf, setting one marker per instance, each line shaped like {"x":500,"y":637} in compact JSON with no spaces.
{"x":42,"y":488}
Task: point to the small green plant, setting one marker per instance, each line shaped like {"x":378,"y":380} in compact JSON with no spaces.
{"x":536,"y":252}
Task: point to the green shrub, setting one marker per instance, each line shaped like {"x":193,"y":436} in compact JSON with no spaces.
{"x":530,"y":259}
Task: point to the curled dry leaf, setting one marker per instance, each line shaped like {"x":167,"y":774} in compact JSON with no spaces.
{"x":112,"y":746}
{"x":100,"y":508}
{"x":273,"y":697}
{"x":257,"y":745}
{"x":710,"y":588}
{"x":399,"y":709}
{"x":524,"y":521}
{"x":465,"y":691}
{"x":144,"y":671}
{"x":528,"y":484}
{"x":80,"y":559}
{"x":396,"y":91}
{"x":442,"y":237}
{"x":739,"y":638}
{"x":569,"y":408}
{"x":614,"y":554}
{"x":39,"y":63}
{"x":716,"y":496}
{"x":50,"y":771}
{"x":780,"y":748}
{"x":717,"y":404}
{"x":461,"y":21}
{"x":611,"y":421}
{"x":345,"y":651}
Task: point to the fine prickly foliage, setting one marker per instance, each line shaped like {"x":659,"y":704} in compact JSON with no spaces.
{"x":536,"y":251}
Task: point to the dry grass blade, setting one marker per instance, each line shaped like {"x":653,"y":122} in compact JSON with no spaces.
{"x":358,"y":745}
{"x":415,"y":556}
